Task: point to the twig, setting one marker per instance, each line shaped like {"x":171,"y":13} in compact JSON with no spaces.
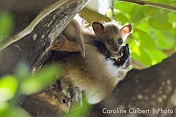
{"x":32,"y":25}
{"x":146,"y":3}
{"x":112,"y":8}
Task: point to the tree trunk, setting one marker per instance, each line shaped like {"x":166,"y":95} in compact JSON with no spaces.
{"x":31,"y":47}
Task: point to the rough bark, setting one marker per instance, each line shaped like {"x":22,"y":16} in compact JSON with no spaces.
{"x":151,"y":88}
{"x":31,"y":47}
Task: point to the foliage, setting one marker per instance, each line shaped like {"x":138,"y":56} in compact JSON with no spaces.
{"x":154,"y":30}
{"x":6,"y":25}
{"x":13,"y":87}
{"x":80,"y":111}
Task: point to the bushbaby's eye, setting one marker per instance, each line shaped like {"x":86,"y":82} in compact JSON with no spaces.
{"x":110,"y":41}
{"x":120,"y":41}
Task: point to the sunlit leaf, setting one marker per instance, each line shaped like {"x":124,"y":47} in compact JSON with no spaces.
{"x":124,"y":7}
{"x":143,"y":26}
{"x":3,"y":106}
{"x":121,"y":17}
{"x":145,"y":57}
{"x":172,"y":17}
{"x":153,"y":28}
{"x":165,"y":1}
{"x":169,"y":2}
{"x":145,"y":39}
{"x":8,"y":86}
{"x":20,"y":112}
{"x":40,"y":80}
{"x":130,"y":41}
{"x":138,"y":14}
{"x":161,"y":15}
{"x":153,"y":0}
{"x":6,"y":24}
{"x":149,"y":11}
{"x":14,"y":112}
{"x":138,"y":53}
{"x":135,"y":53}
{"x":164,"y":40}
{"x":173,"y":32}
{"x":1,"y":37}
{"x":156,"y":55}
{"x":159,"y":24}
{"x":80,"y":112}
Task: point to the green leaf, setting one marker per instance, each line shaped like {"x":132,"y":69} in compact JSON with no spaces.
{"x":153,"y":0}
{"x":14,"y":112}
{"x":40,"y":80}
{"x":165,"y":40}
{"x":135,"y":56}
{"x":121,"y":17}
{"x":1,"y":37}
{"x":3,"y":106}
{"x":140,"y":55}
{"x":156,"y":55}
{"x":137,"y":14}
{"x":172,"y":17}
{"x":80,"y":112}
{"x":161,"y":15}
{"x":159,"y":24}
{"x":124,"y":7}
{"x":145,"y":57}
{"x":173,"y":33}
{"x":6,"y":24}
{"x":118,"y":15}
{"x":168,"y":2}
{"x":8,"y":87}
{"x":146,"y":40}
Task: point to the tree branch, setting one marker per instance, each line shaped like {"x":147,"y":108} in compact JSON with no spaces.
{"x":150,"y":89}
{"x":146,"y":3}
{"x":112,"y":8}
{"x":33,"y":43}
{"x":35,"y":22}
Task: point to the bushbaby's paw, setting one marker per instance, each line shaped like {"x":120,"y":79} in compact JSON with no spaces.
{"x":124,"y":59}
{"x":71,"y":92}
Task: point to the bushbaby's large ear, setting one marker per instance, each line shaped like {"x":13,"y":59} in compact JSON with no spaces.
{"x":98,"y":28}
{"x":126,"y":30}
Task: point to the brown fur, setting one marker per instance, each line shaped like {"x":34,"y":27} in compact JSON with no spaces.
{"x":93,"y":75}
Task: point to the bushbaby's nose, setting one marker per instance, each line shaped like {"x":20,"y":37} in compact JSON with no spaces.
{"x":115,"y":49}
